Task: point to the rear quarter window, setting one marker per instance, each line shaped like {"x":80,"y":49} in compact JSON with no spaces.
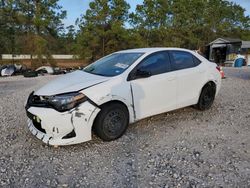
{"x":196,"y":61}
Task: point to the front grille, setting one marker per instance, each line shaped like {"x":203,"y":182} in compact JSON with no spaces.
{"x":35,"y":123}
{"x":39,"y":126}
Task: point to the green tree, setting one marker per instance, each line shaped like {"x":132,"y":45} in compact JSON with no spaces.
{"x":188,"y":23}
{"x":102,"y":29}
{"x":152,"y":21}
{"x":8,"y":27}
{"x":226,"y":19}
{"x":33,"y":25}
{"x":67,"y":41}
{"x":42,"y":20}
{"x":212,"y":19}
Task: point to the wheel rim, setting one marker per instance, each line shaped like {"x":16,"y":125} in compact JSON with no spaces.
{"x":208,"y":97}
{"x":114,"y":123}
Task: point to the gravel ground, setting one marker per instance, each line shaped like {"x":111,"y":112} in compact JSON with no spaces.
{"x":183,"y":148}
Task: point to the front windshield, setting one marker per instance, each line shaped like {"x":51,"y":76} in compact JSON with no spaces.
{"x":113,"y":64}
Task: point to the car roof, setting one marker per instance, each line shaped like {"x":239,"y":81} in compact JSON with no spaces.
{"x":150,"y":50}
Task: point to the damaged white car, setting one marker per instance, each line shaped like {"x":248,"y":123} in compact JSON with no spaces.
{"x":120,"y":89}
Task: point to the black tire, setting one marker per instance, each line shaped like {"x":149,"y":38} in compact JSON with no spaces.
{"x":207,"y":96}
{"x":30,"y":74}
{"x":111,"y":122}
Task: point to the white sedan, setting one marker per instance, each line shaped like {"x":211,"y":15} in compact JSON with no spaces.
{"x":120,"y":89}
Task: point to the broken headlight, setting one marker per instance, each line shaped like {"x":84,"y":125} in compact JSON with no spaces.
{"x":66,"y":102}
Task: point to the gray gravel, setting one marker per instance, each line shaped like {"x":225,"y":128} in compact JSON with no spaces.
{"x":183,"y":148}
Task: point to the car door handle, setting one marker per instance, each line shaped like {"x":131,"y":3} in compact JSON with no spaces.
{"x":171,"y":78}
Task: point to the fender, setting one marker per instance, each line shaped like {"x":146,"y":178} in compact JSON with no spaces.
{"x":112,"y":90}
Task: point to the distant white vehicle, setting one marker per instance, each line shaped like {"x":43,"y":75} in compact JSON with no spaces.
{"x":45,"y":69}
{"x":7,"y":70}
{"x":119,"y":89}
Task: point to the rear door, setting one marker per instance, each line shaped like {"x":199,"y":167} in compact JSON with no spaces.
{"x":157,"y":93}
{"x":190,"y":73}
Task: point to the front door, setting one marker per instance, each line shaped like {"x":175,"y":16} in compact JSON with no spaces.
{"x":156,"y":93}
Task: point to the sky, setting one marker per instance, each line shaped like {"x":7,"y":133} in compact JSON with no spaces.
{"x":75,"y":8}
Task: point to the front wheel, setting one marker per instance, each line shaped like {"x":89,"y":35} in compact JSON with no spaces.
{"x":112,"y":121}
{"x":206,"y":97}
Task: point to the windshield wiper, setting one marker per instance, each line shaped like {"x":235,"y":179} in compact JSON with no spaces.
{"x":99,"y":74}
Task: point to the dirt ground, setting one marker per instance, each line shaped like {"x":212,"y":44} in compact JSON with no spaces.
{"x":183,"y":148}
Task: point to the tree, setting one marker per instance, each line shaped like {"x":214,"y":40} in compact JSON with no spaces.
{"x":67,"y":41}
{"x":42,"y":22}
{"x":152,"y":20}
{"x":228,"y":19}
{"x":34,"y":25}
{"x":8,"y":28}
{"x":102,"y":29}
{"x":188,"y":23}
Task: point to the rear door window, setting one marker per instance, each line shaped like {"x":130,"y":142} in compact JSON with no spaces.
{"x":183,"y":60}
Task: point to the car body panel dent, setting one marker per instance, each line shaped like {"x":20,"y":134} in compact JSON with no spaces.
{"x":112,"y":90}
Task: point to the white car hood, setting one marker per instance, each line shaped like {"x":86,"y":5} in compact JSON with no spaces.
{"x":70,"y":82}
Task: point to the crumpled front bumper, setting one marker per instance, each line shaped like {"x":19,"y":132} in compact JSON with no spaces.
{"x":56,"y":128}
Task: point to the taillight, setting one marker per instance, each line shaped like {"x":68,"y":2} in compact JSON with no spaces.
{"x":221,"y":71}
{"x":218,"y":68}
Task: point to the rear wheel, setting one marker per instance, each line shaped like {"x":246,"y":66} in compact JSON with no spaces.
{"x":206,"y":97}
{"x":112,"y":122}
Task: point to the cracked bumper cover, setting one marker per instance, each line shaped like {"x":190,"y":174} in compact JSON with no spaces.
{"x":57,"y":125}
